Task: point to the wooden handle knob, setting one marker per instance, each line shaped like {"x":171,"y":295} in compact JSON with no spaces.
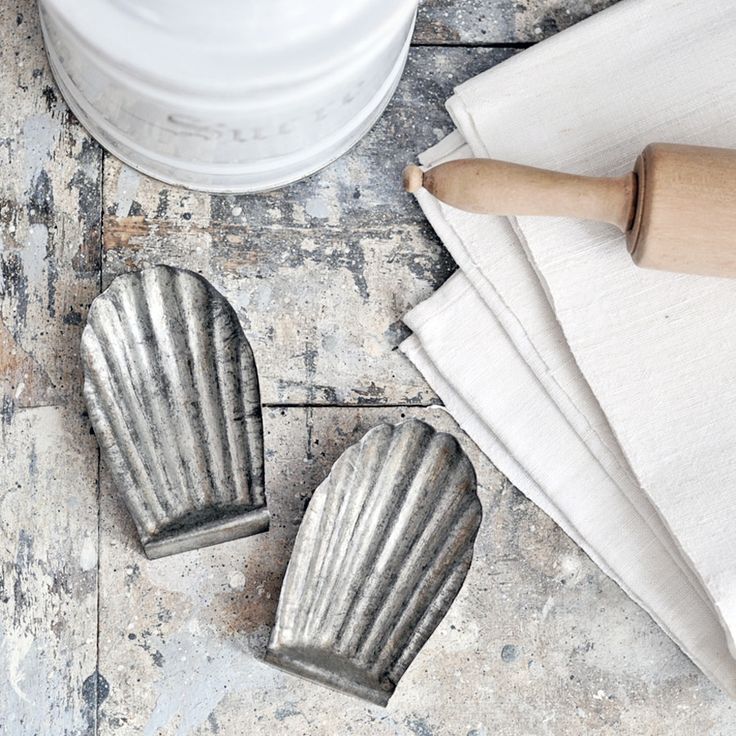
{"x":485,"y":186}
{"x":413,"y":178}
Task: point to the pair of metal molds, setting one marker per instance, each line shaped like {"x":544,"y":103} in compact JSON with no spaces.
{"x":387,"y":538}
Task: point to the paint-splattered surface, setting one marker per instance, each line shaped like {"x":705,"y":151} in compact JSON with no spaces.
{"x":502,"y":22}
{"x":94,"y":638}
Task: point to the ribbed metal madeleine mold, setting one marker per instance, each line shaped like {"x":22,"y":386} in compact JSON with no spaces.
{"x":382,"y":551}
{"x":172,"y":392}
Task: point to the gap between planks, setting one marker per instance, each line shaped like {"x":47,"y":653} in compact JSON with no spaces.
{"x":353,"y":405}
{"x":474,"y":45}
{"x":100,"y":286}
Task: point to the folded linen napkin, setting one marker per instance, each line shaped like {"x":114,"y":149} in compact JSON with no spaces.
{"x":604,"y":392}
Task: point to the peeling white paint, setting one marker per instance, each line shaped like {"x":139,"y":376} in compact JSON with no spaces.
{"x":44,"y":660}
{"x":209,"y":668}
{"x":236,"y":580}
{"x":548,"y":605}
{"x":17,"y":646}
{"x":317,"y":207}
{"x":127,"y":190}
{"x":20,"y":388}
{"x":40,"y":134}
{"x":88,"y":555}
{"x":33,"y":254}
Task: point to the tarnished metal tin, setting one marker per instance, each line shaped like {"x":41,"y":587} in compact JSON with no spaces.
{"x":382,"y":552}
{"x":172,"y":392}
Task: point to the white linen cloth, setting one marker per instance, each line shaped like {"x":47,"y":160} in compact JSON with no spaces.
{"x":606,"y":393}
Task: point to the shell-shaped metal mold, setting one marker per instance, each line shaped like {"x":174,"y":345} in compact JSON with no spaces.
{"x":172,"y":392}
{"x":381,"y":553}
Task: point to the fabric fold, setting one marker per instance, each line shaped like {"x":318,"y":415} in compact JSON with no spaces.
{"x":523,"y":433}
{"x":611,"y":406}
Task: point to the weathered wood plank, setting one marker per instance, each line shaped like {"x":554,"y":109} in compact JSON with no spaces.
{"x":479,"y":22}
{"x":321,"y":272}
{"x":537,"y":633}
{"x":50,"y":206}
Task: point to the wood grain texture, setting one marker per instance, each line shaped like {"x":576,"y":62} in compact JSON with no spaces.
{"x":539,"y":640}
{"x":50,"y":205}
{"x":295,"y":262}
{"x":320,"y":273}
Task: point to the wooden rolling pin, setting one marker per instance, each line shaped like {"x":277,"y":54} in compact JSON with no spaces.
{"x":677,"y":207}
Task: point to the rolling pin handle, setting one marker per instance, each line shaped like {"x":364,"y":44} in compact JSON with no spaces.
{"x":489,"y":187}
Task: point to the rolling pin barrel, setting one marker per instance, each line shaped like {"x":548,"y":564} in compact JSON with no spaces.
{"x":686,"y":210}
{"x":677,"y":208}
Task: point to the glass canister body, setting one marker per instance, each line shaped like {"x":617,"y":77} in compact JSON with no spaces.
{"x":230,"y":96}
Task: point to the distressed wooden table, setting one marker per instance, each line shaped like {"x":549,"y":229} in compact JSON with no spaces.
{"x":96,"y":639}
